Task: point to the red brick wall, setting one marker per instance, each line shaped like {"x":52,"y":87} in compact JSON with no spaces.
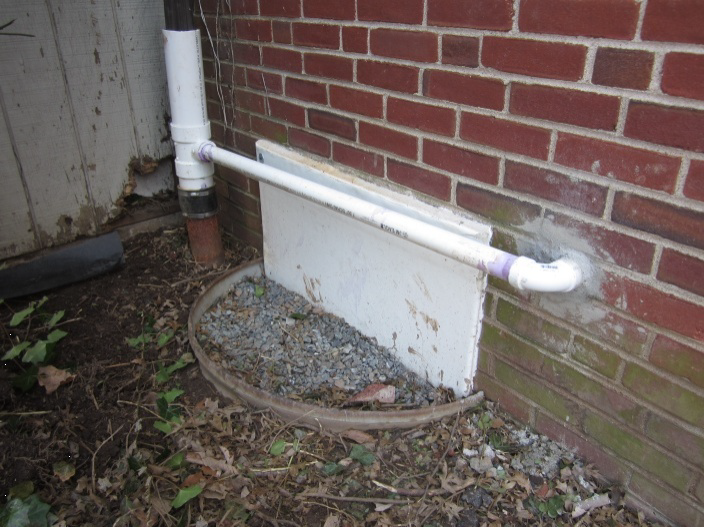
{"x":572,"y":126}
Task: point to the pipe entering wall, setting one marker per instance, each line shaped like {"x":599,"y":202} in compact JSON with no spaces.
{"x":189,"y":126}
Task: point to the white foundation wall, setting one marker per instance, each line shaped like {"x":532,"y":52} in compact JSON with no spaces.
{"x":425,"y":307}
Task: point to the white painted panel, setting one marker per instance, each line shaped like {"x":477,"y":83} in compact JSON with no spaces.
{"x":140,"y":24}
{"x":89,"y":47}
{"x":40,"y":119}
{"x":16,"y":235}
{"x":425,"y":307}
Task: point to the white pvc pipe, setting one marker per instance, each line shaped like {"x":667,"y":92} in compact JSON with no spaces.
{"x":189,"y":117}
{"x":521,"y":272}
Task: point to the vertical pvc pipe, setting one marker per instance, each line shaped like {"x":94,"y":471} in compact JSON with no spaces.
{"x":190,"y":127}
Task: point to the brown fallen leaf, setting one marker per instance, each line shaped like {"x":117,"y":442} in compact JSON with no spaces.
{"x":358,"y":436}
{"x":51,"y":378}
{"x":382,"y":393}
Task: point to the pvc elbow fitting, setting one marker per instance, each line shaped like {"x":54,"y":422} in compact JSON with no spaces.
{"x":560,"y":276}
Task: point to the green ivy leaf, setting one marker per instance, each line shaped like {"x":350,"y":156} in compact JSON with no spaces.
{"x":20,"y":316}
{"x":163,"y":426}
{"x":259,"y":291}
{"x":172,"y":395}
{"x":36,"y":353}
{"x":176,"y":461}
{"x":362,"y":454}
{"x":56,"y":336}
{"x":138,"y":341}
{"x":186,"y":495}
{"x":56,"y":317}
{"x":278,"y":447}
{"x":330,"y":469}
{"x":16,"y":350}
{"x":22,"y":490}
{"x":164,"y":338}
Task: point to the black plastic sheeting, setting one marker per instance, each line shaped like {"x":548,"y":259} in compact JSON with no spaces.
{"x":65,"y":265}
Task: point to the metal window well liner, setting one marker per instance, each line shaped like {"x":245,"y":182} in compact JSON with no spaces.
{"x":293,"y":411}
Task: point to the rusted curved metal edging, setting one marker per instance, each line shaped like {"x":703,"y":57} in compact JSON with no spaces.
{"x":293,"y":411}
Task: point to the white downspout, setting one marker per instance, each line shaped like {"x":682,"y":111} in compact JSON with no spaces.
{"x":523,"y":273}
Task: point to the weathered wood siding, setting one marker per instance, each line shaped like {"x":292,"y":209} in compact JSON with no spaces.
{"x":81,"y":99}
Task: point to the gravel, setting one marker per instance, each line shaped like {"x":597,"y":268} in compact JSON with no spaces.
{"x":276,"y":340}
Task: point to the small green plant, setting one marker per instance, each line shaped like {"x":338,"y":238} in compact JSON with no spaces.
{"x":36,"y":345}
{"x":165,"y":372}
{"x":169,"y":413}
{"x":552,"y":507}
{"x":24,"y":508}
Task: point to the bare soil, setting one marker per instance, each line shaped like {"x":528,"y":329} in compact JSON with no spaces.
{"x":244,"y":467}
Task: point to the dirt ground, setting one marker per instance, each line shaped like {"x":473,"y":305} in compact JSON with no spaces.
{"x":131,"y":434}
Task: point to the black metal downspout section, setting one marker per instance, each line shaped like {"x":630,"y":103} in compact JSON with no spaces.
{"x":200,"y":207}
{"x":179,"y":15}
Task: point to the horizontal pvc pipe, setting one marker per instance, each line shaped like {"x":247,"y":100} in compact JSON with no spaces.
{"x":189,"y":118}
{"x":521,"y":272}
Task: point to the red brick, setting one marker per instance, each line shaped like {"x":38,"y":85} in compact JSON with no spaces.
{"x":388,"y":76}
{"x":286,"y":8}
{"x":678,"y":359}
{"x":245,"y":53}
{"x":476,"y":14}
{"x":269,"y":129}
{"x":623,"y":68}
{"x":682,"y":270}
{"x":590,"y":18}
{"x":505,"y":135}
{"x":243,"y":7}
{"x":316,"y":35}
{"x":666,"y":125}
{"x":621,"y":249}
{"x":683,"y":75}
{"x":508,"y":402}
{"x":332,"y":123}
{"x":677,"y":439}
{"x":253,"y":29}
{"x":462,"y":162}
{"x":590,"y":110}
{"x":656,"y":307}
{"x":675,"y":223}
{"x":282,"y":32}
{"x":694,"y":185}
{"x":250,"y":101}
{"x":578,"y":195}
{"x":246,"y":144}
{"x":496,"y":206}
{"x":337,"y":10}
{"x":282,"y":59}
{"x":309,"y":142}
{"x":434,"y":119}
{"x":389,"y":140}
{"x":657,"y":498}
{"x":328,"y":66}
{"x":306,"y":90}
{"x":359,"y":159}
{"x":354,"y":39}
{"x":286,"y":111}
{"x":552,"y":60}
{"x":356,"y":101}
{"x":674,"y":21}
{"x":394,"y":11}
{"x":431,"y":183}
{"x":263,"y":81}
{"x":624,"y":163}
{"x":609,"y":466}
{"x":460,"y":51}
{"x":418,"y":46}
{"x":464,"y":89}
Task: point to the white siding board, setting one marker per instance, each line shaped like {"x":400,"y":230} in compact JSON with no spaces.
{"x":38,"y":112}
{"x":140,"y":24}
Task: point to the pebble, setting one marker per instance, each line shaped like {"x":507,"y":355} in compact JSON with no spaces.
{"x":279,"y":342}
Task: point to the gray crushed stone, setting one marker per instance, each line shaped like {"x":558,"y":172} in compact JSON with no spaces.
{"x":276,"y":340}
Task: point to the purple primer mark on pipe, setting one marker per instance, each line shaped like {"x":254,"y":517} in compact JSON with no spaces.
{"x":501,"y":266}
{"x":205,"y":151}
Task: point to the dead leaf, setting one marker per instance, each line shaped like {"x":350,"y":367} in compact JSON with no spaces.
{"x":383,"y":393}
{"x":51,"y":378}
{"x":332,"y":521}
{"x":63,"y":470}
{"x":358,"y":436}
